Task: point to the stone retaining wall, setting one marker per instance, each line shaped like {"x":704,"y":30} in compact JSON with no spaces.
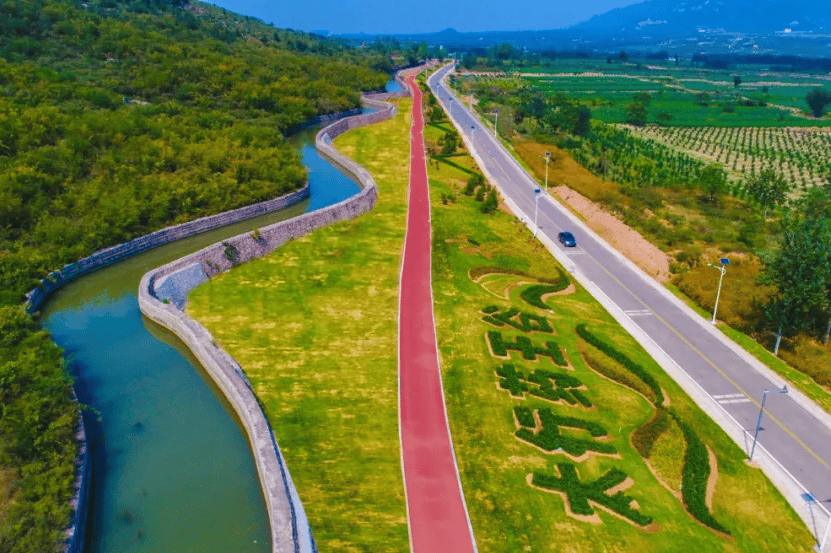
{"x":75,"y":533}
{"x":114,"y":254}
{"x":163,"y":292}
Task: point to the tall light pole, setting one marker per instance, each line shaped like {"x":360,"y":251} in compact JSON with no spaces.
{"x":496,"y":123}
{"x":547,"y":159}
{"x":782,"y":390}
{"x":536,"y":210}
{"x":722,"y":268}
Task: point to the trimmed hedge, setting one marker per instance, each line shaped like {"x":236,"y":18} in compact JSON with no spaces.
{"x":605,"y":365}
{"x":647,"y":434}
{"x":523,"y":344}
{"x":637,"y":369}
{"x":549,"y":437}
{"x":580,"y":493}
{"x":511,"y":380}
{"x":695,"y":475}
{"x":528,"y":322}
{"x":533,"y":294}
{"x":478,"y":272}
{"x":553,"y":386}
{"x":564,"y":382}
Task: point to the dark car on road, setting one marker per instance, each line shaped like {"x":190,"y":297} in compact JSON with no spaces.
{"x":567,"y":239}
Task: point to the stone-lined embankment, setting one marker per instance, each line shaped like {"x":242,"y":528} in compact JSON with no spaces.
{"x":163,"y":291}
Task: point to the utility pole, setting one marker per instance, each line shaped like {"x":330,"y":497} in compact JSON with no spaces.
{"x":722,"y":268}
{"x":536,"y":210}
{"x":782,"y":390}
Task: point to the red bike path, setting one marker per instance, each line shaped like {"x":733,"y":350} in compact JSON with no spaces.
{"x":437,"y":514}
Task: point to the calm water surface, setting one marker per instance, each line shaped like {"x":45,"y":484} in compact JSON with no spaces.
{"x":172,"y":468}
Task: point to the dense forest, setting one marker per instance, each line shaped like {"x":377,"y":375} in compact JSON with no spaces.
{"x":116,"y":119}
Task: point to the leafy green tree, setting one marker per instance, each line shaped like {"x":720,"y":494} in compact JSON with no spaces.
{"x":737,"y":81}
{"x":713,"y":181}
{"x":636,"y":114}
{"x":583,"y":125}
{"x":817,"y":100}
{"x":769,"y":188}
{"x":800,"y":269}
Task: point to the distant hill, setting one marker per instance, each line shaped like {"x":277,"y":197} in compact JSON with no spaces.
{"x":685,"y":17}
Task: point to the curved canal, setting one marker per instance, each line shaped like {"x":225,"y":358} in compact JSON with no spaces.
{"x":172,"y":468}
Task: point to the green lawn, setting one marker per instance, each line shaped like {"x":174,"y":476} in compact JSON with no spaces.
{"x":314,"y":325}
{"x":507,"y":514}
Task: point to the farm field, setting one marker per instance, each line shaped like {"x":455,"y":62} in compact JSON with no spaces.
{"x":801,"y":155}
{"x":675,"y":91}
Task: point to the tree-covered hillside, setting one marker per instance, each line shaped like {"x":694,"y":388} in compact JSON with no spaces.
{"x":116,"y":119}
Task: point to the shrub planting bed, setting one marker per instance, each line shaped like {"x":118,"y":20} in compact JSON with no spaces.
{"x":580,"y":493}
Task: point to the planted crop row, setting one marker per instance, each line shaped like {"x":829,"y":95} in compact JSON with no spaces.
{"x":802,"y":156}
{"x":618,"y":154}
{"x":624,"y":360}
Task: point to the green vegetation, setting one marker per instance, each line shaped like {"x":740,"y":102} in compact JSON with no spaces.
{"x":580,"y":493}
{"x":490,"y":261}
{"x":118,"y":119}
{"x":38,"y":421}
{"x":507,"y":514}
{"x":314,"y":326}
{"x":634,"y":367}
{"x":753,"y":203}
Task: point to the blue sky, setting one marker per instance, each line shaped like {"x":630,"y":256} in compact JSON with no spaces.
{"x":403,"y":16}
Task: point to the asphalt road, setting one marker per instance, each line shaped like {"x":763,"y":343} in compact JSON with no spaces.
{"x":795,"y":437}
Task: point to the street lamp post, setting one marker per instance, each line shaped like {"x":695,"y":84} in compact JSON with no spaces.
{"x":536,"y":210}
{"x":496,"y":123}
{"x":547,"y":159}
{"x":722,"y":268}
{"x":782,"y":390}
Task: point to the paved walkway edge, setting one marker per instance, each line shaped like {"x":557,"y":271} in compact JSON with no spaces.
{"x":785,"y":482}
{"x":427,"y":489}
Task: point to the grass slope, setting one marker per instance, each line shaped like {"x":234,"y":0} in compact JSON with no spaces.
{"x":507,"y":514}
{"x":315,"y":327}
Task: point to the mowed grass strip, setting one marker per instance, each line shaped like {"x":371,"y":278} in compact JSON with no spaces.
{"x":314,"y":326}
{"x":507,"y":514}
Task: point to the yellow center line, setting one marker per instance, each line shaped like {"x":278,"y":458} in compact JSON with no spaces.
{"x":707,"y":359}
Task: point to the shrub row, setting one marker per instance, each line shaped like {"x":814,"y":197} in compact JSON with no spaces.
{"x":533,"y":294}
{"x":647,"y":434}
{"x":695,"y":475}
{"x":478,"y":272}
{"x":580,"y":493}
{"x":624,"y":360}
{"x":549,"y":437}
{"x":607,"y":367}
{"x":523,"y":344}
{"x":527,"y":322}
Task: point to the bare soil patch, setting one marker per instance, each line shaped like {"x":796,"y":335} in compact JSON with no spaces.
{"x":623,"y":238}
